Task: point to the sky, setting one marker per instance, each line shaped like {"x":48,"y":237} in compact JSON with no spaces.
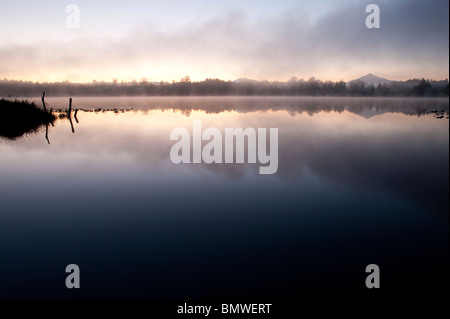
{"x":263,"y":40}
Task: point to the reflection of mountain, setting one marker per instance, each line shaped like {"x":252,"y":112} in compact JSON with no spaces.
{"x":21,"y":117}
{"x":365,"y":107}
{"x":370,"y":112}
{"x":405,"y":157}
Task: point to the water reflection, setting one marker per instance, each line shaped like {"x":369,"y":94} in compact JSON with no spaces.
{"x":357,"y":181}
{"x":377,"y":150}
{"x":365,"y":107}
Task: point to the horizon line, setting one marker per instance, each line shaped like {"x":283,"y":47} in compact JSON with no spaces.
{"x":185,"y":80}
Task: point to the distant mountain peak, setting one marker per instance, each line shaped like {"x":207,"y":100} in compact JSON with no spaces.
{"x":372,"y":79}
{"x":244,"y":80}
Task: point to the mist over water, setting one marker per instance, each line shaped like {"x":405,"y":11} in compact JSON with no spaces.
{"x":359,"y":181}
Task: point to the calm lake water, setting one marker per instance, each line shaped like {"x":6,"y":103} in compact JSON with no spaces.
{"x":359,"y":181}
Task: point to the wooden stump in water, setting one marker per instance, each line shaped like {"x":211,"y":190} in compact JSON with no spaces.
{"x":43,"y":101}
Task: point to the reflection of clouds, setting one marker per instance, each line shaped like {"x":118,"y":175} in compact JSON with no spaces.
{"x":411,"y":161}
{"x":403,"y":155}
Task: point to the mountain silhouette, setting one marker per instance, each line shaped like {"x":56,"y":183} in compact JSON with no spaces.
{"x":372,"y":79}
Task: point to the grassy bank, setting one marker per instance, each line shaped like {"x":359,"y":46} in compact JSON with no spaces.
{"x":21,"y":117}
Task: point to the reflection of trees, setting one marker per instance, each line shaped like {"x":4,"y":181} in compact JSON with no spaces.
{"x":362,"y":106}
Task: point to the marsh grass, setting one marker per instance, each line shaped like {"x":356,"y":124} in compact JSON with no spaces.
{"x":18,"y":118}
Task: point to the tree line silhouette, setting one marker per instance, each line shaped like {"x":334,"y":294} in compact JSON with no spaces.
{"x":241,"y":87}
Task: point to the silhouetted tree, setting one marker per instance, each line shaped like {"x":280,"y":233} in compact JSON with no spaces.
{"x":357,"y":88}
{"x":340,"y":88}
{"x":293,"y":87}
{"x":423,"y":89}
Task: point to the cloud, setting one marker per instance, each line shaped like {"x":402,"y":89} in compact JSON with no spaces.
{"x":412,"y":42}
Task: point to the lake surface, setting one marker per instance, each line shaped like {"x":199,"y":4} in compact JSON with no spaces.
{"x":359,"y":181}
